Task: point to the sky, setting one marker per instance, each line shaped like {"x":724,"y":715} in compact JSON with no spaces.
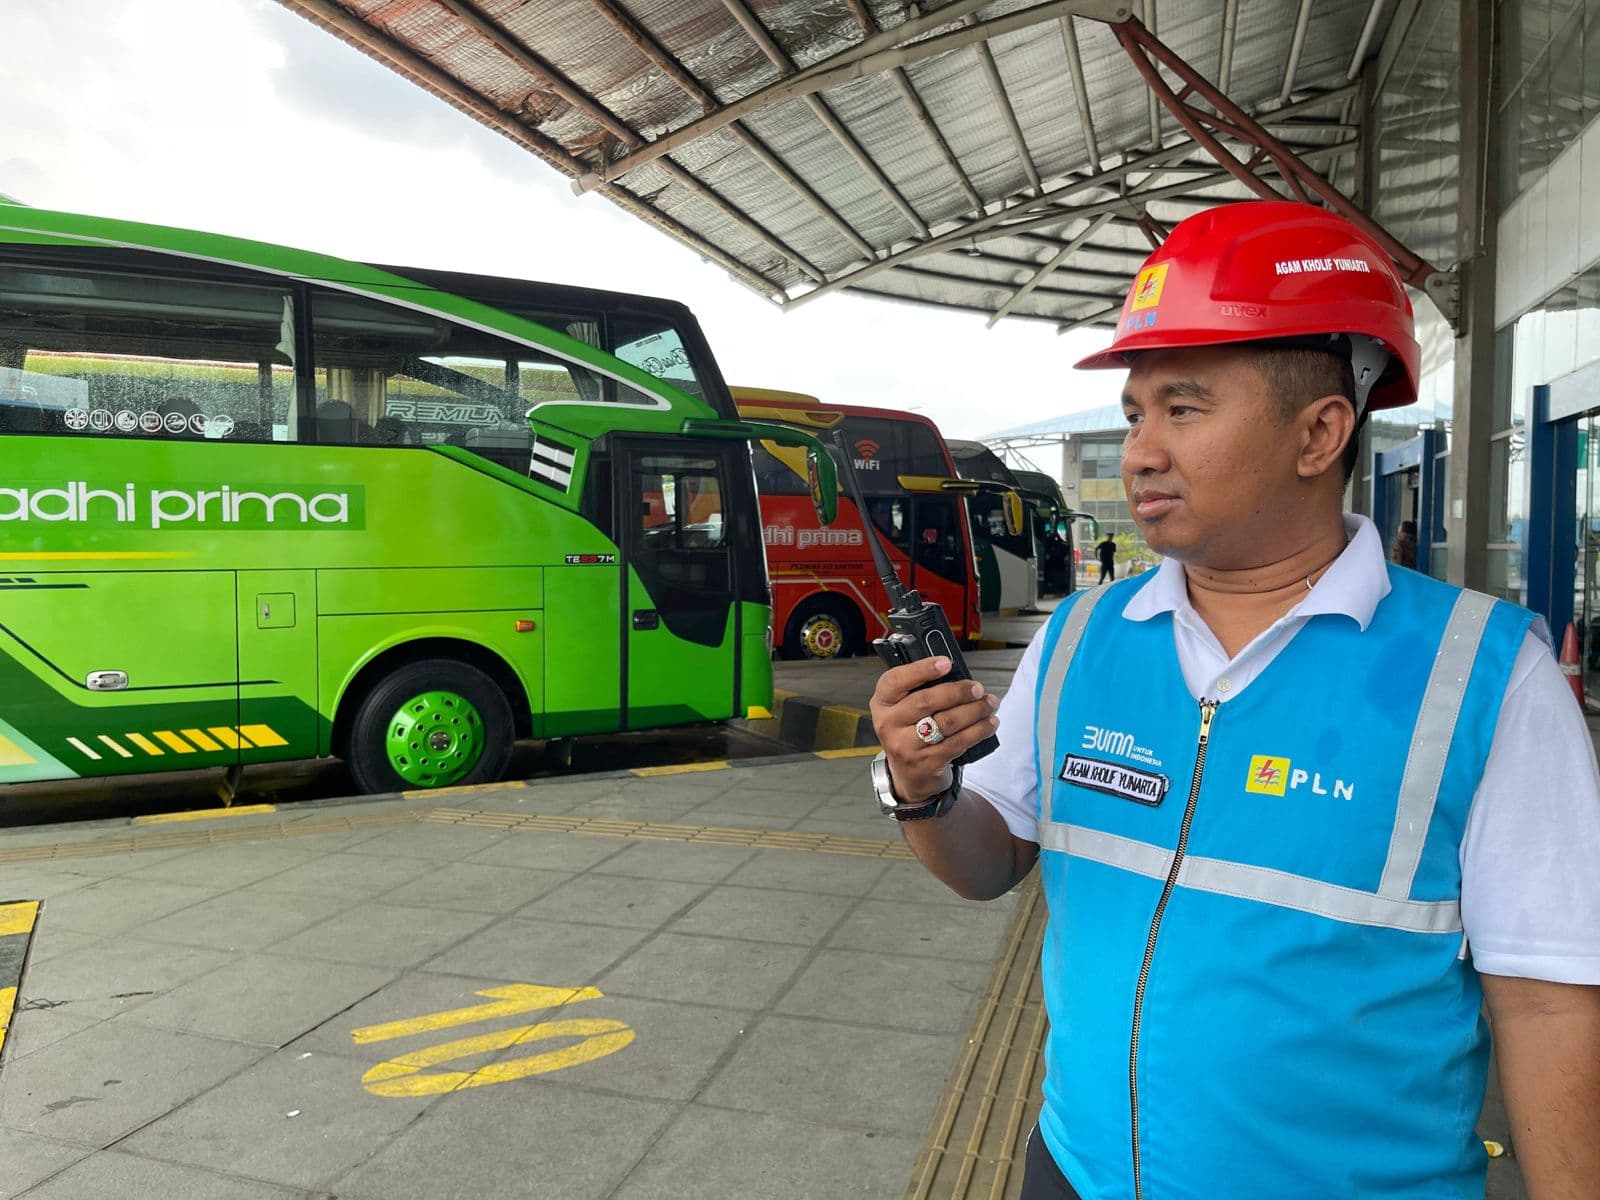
{"x":239,"y":117}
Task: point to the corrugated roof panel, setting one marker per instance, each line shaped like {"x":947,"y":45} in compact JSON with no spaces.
{"x":818,"y":209}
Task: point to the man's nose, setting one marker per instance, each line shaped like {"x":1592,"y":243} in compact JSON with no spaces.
{"x":1144,"y":451}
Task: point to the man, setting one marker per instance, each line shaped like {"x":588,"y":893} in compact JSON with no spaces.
{"x":1404,"y":551}
{"x":1328,"y":808}
{"x":1107,"y":550}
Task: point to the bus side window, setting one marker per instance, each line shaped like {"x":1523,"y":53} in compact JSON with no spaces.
{"x":394,"y":377}
{"x":151,"y":353}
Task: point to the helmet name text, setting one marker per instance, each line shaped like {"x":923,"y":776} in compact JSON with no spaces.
{"x":1305,"y":266}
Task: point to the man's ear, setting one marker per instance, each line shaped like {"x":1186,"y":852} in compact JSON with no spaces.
{"x":1325,"y":426}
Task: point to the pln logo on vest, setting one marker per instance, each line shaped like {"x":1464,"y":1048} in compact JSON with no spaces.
{"x":1270,"y":776}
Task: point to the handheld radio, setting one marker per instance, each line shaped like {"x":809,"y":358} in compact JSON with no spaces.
{"x":917,"y":628}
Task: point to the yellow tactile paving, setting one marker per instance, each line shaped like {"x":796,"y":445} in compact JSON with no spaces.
{"x":16,"y":927}
{"x":975,"y":1145}
{"x":760,"y":839}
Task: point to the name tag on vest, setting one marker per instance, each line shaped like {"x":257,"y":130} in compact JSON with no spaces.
{"x":1114,"y":779}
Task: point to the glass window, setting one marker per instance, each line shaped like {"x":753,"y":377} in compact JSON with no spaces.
{"x":388,"y":376}
{"x":937,"y":543}
{"x":780,"y":470}
{"x":681,"y":504}
{"x":92,"y":353}
{"x":658,"y":350}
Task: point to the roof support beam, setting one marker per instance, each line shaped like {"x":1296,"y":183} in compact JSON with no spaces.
{"x":1080,"y":91}
{"x":919,"y":110}
{"x":996,"y":225}
{"x":1043,"y":273}
{"x":1301,"y":22}
{"x":674,"y":70}
{"x":855,"y":63}
{"x":824,"y":113}
{"x":665,"y":62}
{"x":511,"y":46}
{"x":997,"y":88}
{"x":1142,"y":47}
{"x":1091,"y":319}
{"x":1230,"y":32}
{"x":1153,"y":110}
{"x":336,"y":19}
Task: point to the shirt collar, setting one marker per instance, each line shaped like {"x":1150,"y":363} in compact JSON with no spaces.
{"x":1351,"y":587}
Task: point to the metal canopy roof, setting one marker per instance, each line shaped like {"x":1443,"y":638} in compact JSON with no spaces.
{"x":1011,"y":157}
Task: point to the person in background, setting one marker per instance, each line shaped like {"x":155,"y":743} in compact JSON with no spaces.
{"x":1404,"y":551}
{"x":1107,"y":550}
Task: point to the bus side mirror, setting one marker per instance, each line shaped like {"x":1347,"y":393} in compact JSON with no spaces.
{"x":1011,"y":507}
{"x":824,"y":481}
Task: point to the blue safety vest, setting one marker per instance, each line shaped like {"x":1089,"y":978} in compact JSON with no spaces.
{"x":1253,"y":965}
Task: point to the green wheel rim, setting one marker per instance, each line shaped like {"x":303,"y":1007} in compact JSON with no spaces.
{"x":435,"y":739}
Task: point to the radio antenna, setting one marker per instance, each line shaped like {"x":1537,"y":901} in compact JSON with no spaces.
{"x":899,"y":595}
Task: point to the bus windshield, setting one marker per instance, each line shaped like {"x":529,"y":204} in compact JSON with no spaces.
{"x":1005,"y":560}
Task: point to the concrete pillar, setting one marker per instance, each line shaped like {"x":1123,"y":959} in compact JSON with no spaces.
{"x":1358,"y":496}
{"x":1478,"y":208}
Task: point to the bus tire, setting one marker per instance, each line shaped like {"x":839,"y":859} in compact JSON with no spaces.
{"x":821,"y":629}
{"x":430,"y":723}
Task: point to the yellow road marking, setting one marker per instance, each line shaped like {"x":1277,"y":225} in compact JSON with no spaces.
{"x":758,"y":713}
{"x":679,"y":769}
{"x":8,"y":999}
{"x":13,"y":755}
{"x":116,"y":745}
{"x":512,"y":1000}
{"x":200,"y":739}
{"x":403,"y":1076}
{"x":228,"y":737}
{"x":262,"y":735}
{"x":173,"y":740}
{"x":18,"y":918}
{"x":852,"y":752}
{"x":145,"y":744}
{"x":203,"y":814}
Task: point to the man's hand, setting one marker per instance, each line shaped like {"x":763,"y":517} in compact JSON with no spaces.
{"x":963,"y":711}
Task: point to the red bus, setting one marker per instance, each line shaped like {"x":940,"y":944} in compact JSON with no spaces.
{"x":827,"y":600}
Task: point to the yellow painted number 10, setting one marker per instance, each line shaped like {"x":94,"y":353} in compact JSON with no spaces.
{"x":413,"y":1074}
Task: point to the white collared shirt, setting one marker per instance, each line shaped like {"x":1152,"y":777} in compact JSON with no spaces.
{"x":1530,"y":859}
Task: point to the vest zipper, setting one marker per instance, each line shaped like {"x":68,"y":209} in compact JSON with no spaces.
{"x":1208,"y":711}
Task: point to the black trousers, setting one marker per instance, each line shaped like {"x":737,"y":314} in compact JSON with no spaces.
{"x":1041,"y":1178}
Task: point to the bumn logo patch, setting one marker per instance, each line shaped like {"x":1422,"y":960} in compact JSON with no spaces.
{"x":1114,"y":779}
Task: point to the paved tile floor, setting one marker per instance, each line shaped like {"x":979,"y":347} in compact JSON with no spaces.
{"x":422,"y":1009}
{"x":694,"y":1019}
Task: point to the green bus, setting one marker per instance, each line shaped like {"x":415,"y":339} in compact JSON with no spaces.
{"x":261,"y":504}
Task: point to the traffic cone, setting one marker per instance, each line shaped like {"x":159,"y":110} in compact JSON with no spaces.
{"x":1570,"y":667}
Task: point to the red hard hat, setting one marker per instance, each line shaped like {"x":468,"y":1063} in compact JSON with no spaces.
{"x":1274,"y":270}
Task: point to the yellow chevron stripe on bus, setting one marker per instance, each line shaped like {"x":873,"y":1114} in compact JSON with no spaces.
{"x":213,"y":739}
{"x":13,"y":755}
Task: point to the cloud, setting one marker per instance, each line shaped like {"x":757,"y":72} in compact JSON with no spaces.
{"x":240,"y":117}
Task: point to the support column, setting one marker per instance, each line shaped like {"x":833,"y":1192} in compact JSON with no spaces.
{"x":1358,"y":496}
{"x":1478,"y":208}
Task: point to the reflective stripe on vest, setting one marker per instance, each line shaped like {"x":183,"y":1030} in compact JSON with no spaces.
{"x":1389,"y":906}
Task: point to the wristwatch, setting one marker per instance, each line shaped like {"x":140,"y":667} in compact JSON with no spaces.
{"x":934,"y":806}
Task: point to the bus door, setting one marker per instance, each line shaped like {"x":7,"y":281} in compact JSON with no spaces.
{"x":680,"y":622}
{"x":941,"y":562}
{"x":116,"y":672}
